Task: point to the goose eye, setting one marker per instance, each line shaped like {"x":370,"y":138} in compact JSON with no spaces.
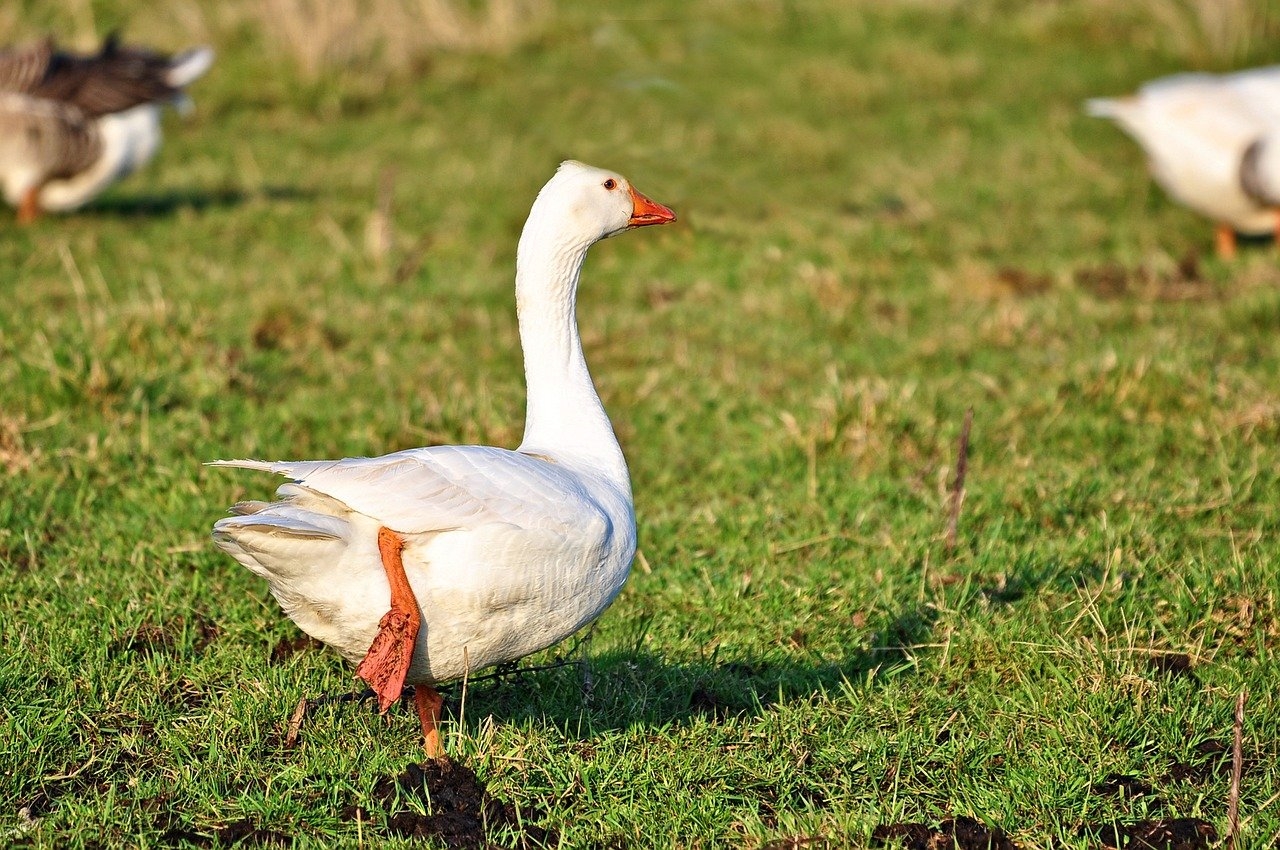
{"x":611,"y":184}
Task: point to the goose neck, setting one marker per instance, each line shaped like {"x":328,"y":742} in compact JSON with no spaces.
{"x":565,"y":419}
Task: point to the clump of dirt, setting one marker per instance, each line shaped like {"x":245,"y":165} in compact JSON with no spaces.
{"x":286,"y":648}
{"x":796,"y":842}
{"x":1212,"y":758}
{"x":461,"y":811}
{"x":1022,"y":282}
{"x":150,"y":637}
{"x":242,"y":832}
{"x":1121,"y":785}
{"x":1169,"y":834}
{"x":1184,"y":282}
{"x":959,"y":834}
{"x":1174,"y":665}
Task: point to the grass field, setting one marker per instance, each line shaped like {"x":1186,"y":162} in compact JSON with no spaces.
{"x":890,"y":213}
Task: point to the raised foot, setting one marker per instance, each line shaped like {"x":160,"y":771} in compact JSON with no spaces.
{"x":386,"y":664}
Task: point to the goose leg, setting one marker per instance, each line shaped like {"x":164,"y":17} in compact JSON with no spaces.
{"x":387,"y":663}
{"x":29,"y":208}
{"x":429,"y":702}
{"x":1225,"y":241}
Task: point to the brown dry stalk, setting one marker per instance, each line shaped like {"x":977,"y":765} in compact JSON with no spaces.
{"x":957,"y":486}
{"x":1237,"y":768}
{"x":295,"y":723}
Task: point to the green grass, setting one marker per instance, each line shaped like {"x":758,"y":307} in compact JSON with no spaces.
{"x":888,"y":215}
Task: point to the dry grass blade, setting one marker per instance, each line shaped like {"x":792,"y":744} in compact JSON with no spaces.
{"x":412,"y":260}
{"x":378,"y":231}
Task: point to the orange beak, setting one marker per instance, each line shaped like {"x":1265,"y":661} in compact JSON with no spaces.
{"x":645,"y":211}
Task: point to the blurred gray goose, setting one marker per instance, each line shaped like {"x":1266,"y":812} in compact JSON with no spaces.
{"x":70,"y":125}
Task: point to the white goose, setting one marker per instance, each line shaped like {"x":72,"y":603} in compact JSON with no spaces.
{"x":427,"y":564}
{"x":1196,"y":130}
{"x":71,"y":125}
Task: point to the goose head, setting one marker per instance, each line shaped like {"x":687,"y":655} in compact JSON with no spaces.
{"x":585,"y":204}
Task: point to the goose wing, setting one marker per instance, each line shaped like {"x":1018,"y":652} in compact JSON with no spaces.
{"x":448,"y":487}
{"x":116,"y":78}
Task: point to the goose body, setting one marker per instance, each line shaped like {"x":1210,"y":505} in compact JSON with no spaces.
{"x":507,"y":553}
{"x":1196,"y":130}
{"x":72,"y":125}
{"x":504,"y":552}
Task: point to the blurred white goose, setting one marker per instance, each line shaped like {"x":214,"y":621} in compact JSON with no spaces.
{"x":1196,"y":129}
{"x":72,"y":125}
{"x":427,"y":564}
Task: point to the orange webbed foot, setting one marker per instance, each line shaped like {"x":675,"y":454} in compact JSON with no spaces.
{"x":386,"y":664}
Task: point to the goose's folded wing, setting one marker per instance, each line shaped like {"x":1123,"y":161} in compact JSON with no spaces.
{"x":116,"y":78}
{"x":447,"y":487}
{"x":55,"y":139}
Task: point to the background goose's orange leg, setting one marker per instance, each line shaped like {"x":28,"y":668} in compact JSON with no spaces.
{"x":1225,"y":242}
{"x":387,"y":663}
{"x":29,"y":208}
{"x":429,"y":702}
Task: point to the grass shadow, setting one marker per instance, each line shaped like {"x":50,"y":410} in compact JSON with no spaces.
{"x":167,"y":203}
{"x":623,"y":688}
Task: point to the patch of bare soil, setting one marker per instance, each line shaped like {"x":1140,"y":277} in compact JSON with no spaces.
{"x":1175,"y":665}
{"x":1022,"y":282}
{"x":798,"y":842}
{"x":1121,"y":785}
{"x":243,"y":833}
{"x":1212,"y":759}
{"x":959,"y":834}
{"x":151,"y":638}
{"x":1184,"y":282}
{"x":460,"y":810}
{"x":1169,"y":834}
{"x":289,"y":647}
{"x":460,"y":813}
